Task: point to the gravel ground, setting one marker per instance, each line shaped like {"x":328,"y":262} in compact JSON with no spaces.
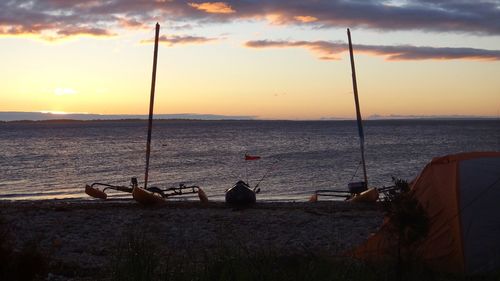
{"x":83,"y":235}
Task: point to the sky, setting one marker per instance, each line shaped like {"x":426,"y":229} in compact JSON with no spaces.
{"x":264,"y":58}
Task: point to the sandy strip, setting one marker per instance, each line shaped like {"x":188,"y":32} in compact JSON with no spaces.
{"x":83,"y":233}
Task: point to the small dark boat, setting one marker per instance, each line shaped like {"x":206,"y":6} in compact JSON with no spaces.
{"x":240,"y":194}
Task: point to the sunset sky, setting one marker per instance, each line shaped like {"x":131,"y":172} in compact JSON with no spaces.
{"x":265,"y":58}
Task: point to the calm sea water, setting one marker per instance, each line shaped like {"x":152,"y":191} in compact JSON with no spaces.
{"x":56,"y":160}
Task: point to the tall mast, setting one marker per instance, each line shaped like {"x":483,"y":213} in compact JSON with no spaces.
{"x":151,"y":104}
{"x":358,"y":111}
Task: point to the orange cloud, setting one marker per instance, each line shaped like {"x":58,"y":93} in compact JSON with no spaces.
{"x":18,"y":29}
{"x":306,"y":19}
{"x":54,"y":33}
{"x":213,"y":7}
{"x":277,"y":19}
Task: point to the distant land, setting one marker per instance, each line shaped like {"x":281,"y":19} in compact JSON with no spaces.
{"x":8,"y":116}
{"x":44,"y":116}
{"x":411,"y":117}
{"x":395,"y":116}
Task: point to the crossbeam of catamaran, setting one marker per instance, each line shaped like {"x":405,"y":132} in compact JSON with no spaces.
{"x":147,"y":195}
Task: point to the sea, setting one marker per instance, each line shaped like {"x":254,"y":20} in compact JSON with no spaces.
{"x":56,"y":159}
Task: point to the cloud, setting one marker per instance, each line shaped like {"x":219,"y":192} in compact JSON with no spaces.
{"x":93,"y":31}
{"x":306,"y":19}
{"x":181,"y":39}
{"x":461,"y":16}
{"x":326,"y":50}
{"x":213,"y":7}
{"x":406,"y":52}
{"x":131,"y":23}
{"x":43,"y":17}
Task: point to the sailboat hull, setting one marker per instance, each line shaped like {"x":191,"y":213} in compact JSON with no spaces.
{"x":146,"y":197}
{"x":240,"y":194}
{"x":94,"y":192}
{"x":369,"y":195}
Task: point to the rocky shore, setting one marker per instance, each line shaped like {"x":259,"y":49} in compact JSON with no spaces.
{"x":84,"y":235}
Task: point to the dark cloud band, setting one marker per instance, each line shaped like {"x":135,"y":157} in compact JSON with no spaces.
{"x":101,"y":18}
{"x":332,"y":50}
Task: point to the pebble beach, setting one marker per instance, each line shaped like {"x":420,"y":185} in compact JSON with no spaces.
{"x":82,"y":235}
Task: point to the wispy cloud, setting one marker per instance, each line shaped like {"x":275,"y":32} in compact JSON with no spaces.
{"x":326,"y":50}
{"x":305,"y":19}
{"x":406,"y":52}
{"x":131,"y":23}
{"x":213,"y":7}
{"x":81,"y":30}
{"x":39,"y":17}
{"x":181,"y":39}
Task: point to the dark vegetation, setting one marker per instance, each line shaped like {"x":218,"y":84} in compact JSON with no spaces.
{"x":26,"y":263}
{"x":136,"y":258}
{"x":409,"y":221}
{"x":409,"y":225}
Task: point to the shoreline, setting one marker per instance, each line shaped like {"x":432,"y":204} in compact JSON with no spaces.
{"x":84,"y":234}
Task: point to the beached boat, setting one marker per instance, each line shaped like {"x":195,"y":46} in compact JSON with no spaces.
{"x":240,"y":194}
{"x":151,"y":195}
{"x":147,"y":195}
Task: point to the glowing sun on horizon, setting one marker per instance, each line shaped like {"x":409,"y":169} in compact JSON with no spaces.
{"x":54,"y":112}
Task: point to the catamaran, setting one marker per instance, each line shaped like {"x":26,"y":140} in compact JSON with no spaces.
{"x":147,"y":195}
{"x":357,"y":191}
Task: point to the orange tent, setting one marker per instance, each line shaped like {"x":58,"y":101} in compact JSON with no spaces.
{"x":460,"y":195}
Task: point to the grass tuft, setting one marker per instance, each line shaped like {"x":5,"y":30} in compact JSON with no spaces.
{"x":137,"y":258}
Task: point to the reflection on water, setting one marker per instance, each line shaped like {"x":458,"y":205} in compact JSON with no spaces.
{"x":56,"y":160}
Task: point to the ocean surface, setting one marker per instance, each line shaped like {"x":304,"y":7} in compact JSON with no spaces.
{"x":47,"y":160}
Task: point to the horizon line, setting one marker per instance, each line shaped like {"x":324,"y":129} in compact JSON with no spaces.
{"x":26,"y":116}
